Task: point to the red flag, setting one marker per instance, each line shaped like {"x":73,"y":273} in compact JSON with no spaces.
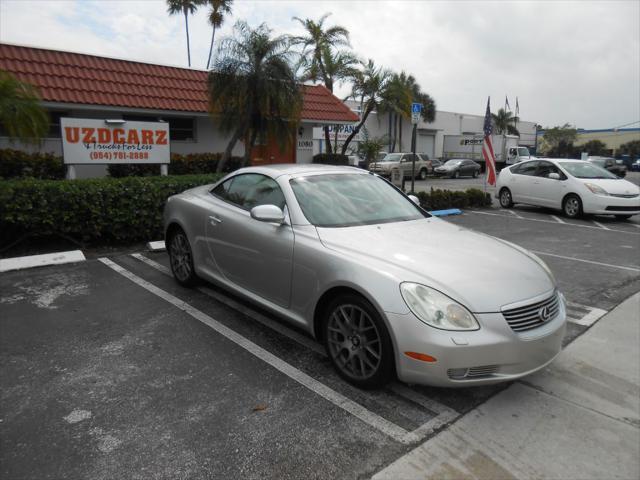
{"x":487,"y":147}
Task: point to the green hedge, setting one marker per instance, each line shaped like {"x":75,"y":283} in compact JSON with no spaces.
{"x":19,"y":164}
{"x":103,"y":210}
{"x":191,"y":164}
{"x":331,"y":159}
{"x":444,"y":199}
{"x":47,"y":166}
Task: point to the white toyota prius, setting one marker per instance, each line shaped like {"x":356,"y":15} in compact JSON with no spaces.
{"x":573,"y":186}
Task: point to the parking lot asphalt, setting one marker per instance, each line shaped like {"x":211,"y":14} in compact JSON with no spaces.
{"x":109,"y":369}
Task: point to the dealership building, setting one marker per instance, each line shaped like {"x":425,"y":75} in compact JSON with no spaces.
{"x":115,"y":91}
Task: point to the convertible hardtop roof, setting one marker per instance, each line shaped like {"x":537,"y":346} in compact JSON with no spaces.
{"x":280,"y":169}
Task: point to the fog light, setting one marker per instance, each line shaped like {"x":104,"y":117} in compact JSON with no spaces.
{"x":457,"y":373}
{"x":421,"y":356}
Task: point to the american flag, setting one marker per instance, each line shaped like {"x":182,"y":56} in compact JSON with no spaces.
{"x":487,"y":147}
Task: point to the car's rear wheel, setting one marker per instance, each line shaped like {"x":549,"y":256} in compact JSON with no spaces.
{"x":506,"y":201}
{"x":475,"y":174}
{"x":181,"y":258}
{"x":623,"y":217}
{"x":572,"y":206}
{"x":456,"y":174}
{"x":423,"y":174}
{"x":357,"y":342}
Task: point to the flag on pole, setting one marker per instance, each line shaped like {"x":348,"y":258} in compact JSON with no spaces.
{"x":487,"y":147}
{"x":506,"y":103}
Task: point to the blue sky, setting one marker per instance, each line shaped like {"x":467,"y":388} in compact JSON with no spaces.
{"x":567,"y":61}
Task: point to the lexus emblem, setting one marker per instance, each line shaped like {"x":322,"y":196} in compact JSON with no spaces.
{"x":544,"y":314}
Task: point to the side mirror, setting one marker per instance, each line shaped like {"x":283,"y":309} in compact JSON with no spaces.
{"x":414,"y":199}
{"x":268,"y":213}
{"x":554,"y":176}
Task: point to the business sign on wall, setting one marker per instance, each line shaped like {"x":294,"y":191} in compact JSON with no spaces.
{"x":343,"y":132}
{"x":89,"y":141}
{"x":305,"y":144}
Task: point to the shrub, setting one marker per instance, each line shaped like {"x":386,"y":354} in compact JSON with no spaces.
{"x":191,"y":164}
{"x":331,"y":159}
{"x":444,"y":199}
{"x":19,"y":164}
{"x":102,"y":209}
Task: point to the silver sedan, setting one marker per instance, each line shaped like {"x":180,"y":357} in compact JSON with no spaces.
{"x":390,"y":290}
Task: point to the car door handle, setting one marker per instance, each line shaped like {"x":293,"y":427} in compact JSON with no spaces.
{"x":214,"y":220}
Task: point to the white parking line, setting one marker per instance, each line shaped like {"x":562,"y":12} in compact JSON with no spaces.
{"x":249,"y":312}
{"x":58,"y":258}
{"x":621,"y":267}
{"x":557,"y":219}
{"x":555,"y":223}
{"x":514,"y":214}
{"x":593,"y":315}
{"x":376,"y":421}
{"x":600,"y":225}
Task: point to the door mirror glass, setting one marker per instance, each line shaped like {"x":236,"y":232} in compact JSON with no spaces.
{"x":268,"y":213}
{"x":414,"y":199}
{"x":554,"y":176}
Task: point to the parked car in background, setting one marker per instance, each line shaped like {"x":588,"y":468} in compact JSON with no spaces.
{"x":458,"y":167}
{"x":403,"y":162}
{"x":573,"y":186}
{"x":435,"y":163}
{"x":341,"y":254}
{"x":609,"y":164}
{"x":635,"y":166}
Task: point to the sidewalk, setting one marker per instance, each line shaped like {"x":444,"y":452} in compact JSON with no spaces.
{"x":577,"y":419}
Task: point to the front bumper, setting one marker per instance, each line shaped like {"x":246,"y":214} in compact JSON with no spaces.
{"x":492,"y":354}
{"x":610,"y":205}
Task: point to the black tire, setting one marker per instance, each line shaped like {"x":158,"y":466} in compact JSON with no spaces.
{"x":572,"y":206}
{"x":456,"y":174}
{"x":181,"y":258}
{"x":345,"y":342}
{"x":475,"y":174}
{"x":623,"y":217}
{"x":506,"y":200}
{"x":422,"y":175}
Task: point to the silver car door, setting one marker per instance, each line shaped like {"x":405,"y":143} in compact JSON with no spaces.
{"x":252,"y":254}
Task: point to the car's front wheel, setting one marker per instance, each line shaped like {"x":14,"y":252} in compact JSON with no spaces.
{"x":181,"y":258}
{"x":475,"y":174}
{"x":506,"y":201}
{"x":572,"y":206}
{"x":357,"y":342}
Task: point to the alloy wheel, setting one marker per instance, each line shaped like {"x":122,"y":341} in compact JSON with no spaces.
{"x":505,"y":198}
{"x":572,"y":207}
{"x":181,"y":261}
{"x":354,"y":342}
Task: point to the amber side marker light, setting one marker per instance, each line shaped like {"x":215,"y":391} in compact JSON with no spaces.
{"x":420,"y":356}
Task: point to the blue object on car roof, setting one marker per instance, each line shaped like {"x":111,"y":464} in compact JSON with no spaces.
{"x":444,"y":213}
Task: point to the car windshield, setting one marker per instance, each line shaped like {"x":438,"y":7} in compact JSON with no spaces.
{"x":586,"y":170}
{"x":392,"y":157}
{"x":523,"y":152}
{"x":346,"y":200}
{"x":453,"y":162}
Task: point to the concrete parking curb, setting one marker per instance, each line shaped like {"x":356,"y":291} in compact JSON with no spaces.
{"x":58,"y":258}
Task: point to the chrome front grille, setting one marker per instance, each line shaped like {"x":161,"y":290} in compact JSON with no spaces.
{"x":624,"y":195}
{"x":532,"y":316}
{"x":472,"y":372}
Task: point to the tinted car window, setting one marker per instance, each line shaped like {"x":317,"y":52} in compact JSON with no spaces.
{"x":545,"y":168}
{"x":250,"y":190}
{"x":526,"y":168}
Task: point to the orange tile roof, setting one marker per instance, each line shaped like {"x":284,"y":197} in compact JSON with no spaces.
{"x":88,"y":79}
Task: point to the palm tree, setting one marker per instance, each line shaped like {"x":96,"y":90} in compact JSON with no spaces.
{"x":370,"y":146}
{"x":316,"y":42}
{"x":502,"y":122}
{"x":21,"y":116}
{"x":253,"y":88}
{"x":219,"y":8}
{"x":185,"y":7}
{"x":368,"y":86}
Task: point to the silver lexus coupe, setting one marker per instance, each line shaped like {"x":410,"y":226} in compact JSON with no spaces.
{"x":390,"y":290}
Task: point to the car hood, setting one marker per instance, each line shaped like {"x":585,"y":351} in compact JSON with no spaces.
{"x":479,"y":271}
{"x":611,"y":185}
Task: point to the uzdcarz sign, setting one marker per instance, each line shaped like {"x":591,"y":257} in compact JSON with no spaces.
{"x":88,"y":141}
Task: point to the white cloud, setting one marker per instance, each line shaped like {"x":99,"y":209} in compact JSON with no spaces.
{"x":567,"y":61}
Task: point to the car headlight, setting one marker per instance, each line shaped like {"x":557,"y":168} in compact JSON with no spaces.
{"x":598,"y":190}
{"x":436,"y":309}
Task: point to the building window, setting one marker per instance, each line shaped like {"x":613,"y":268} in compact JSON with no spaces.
{"x":54,"y":124}
{"x":181,"y":129}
